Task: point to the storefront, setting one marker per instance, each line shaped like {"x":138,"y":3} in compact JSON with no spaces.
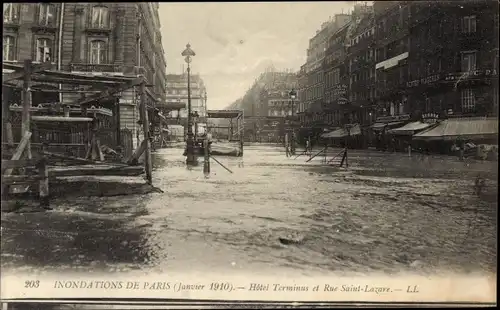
{"x":383,"y":140}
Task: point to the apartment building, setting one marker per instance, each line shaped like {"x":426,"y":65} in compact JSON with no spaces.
{"x":93,"y":38}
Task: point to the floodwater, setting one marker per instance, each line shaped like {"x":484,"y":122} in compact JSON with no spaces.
{"x":275,"y":215}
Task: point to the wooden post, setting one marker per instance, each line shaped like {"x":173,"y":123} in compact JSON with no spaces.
{"x":27,"y":103}
{"x":118,"y":123}
{"x":20,"y":150}
{"x":346,"y":159}
{"x":44,"y":183}
{"x":145,"y":127}
{"x":286,"y":144}
{"x":8,"y":134}
{"x":206,"y":163}
{"x":326,"y":149}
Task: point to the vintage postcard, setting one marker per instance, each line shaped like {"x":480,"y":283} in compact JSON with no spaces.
{"x":257,"y":154}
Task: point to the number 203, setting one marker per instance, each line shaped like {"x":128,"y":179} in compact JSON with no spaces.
{"x":31,"y":284}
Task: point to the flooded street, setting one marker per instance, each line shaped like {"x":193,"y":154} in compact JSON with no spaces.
{"x":274,"y":215}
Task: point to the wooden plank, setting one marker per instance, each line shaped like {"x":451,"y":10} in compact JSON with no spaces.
{"x":55,"y":144}
{"x":95,"y":78}
{"x":145,"y":127}
{"x":220,"y":164}
{"x":109,"y":92}
{"x":27,"y":103}
{"x":137,"y":153}
{"x":67,"y":119}
{"x":9,"y":135}
{"x":76,"y":81}
{"x":99,"y":151}
{"x":19,"y":150}
{"x":68,"y":91}
{"x":43,"y":186}
{"x":70,"y":158}
{"x":20,"y":179}
{"x":21,"y":163}
{"x":96,"y":171}
{"x":21,"y":74}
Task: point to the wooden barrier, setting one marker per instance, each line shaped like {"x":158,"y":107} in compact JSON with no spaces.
{"x":134,"y":159}
{"x":20,"y":150}
{"x":42,"y":178}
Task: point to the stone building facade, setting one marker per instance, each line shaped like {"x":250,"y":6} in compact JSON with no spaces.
{"x":95,"y":38}
{"x":177,"y":93}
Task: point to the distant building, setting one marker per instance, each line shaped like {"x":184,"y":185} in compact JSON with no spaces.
{"x":361,"y":65}
{"x":267,"y":103}
{"x":392,"y":42}
{"x":177,"y":92}
{"x":312,"y":75}
{"x":336,"y":69}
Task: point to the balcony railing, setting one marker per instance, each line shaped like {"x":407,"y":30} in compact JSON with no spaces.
{"x":82,"y":67}
{"x":98,"y":27}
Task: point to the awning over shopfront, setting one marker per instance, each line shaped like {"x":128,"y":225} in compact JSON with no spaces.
{"x":381,"y":126}
{"x":410,"y":128}
{"x":462,"y":128}
{"x":342,"y":132}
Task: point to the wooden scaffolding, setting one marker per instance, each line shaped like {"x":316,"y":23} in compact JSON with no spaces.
{"x":101,"y":88}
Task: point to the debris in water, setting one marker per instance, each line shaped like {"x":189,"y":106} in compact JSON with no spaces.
{"x":291,"y":239}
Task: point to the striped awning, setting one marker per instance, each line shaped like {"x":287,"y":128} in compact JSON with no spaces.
{"x":410,"y":128}
{"x":381,"y":126}
{"x":462,"y":128}
{"x":343,"y":132}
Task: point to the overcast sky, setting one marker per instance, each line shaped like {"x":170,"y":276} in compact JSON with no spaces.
{"x":235,"y":42}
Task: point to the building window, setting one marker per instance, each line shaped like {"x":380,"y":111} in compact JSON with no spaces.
{"x":468,"y":100}
{"x":468,"y":61}
{"x":100,"y":17}
{"x":43,"y":50}
{"x":469,"y":24}
{"x":98,"y":52}
{"x":10,"y":12}
{"x":9,"y":46}
{"x":428,"y":104}
{"x":46,"y":13}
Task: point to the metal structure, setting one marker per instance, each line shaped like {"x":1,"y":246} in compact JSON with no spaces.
{"x":232,"y":115}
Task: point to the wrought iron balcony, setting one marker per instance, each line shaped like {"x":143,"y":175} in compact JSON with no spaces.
{"x":98,"y":27}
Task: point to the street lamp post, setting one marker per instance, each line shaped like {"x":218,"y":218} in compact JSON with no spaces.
{"x":205,"y":113}
{"x":195,"y":121}
{"x":293,"y":95}
{"x":188,"y":53}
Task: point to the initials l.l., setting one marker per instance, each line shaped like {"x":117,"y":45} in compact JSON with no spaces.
{"x":411,"y":289}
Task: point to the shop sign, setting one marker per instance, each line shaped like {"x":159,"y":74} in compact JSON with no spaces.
{"x":430,"y":118}
{"x":470,"y":74}
{"x":340,"y":90}
{"x":342,"y":101}
{"x":395,"y":118}
{"x":424,"y":81}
